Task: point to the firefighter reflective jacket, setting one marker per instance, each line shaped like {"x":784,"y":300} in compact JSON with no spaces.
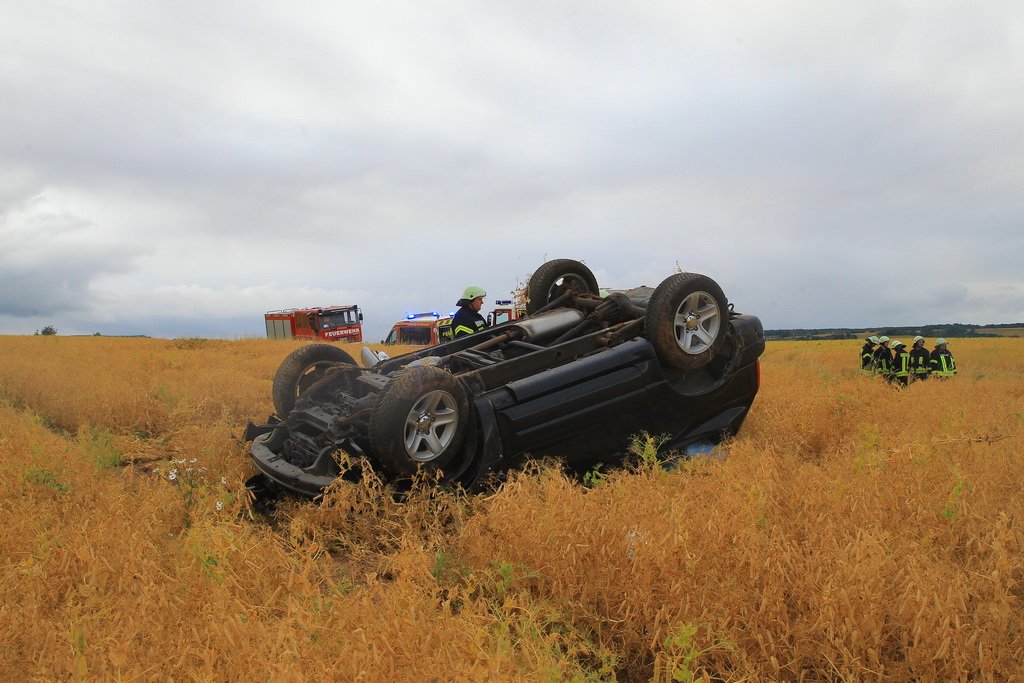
{"x":883,"y":360}
{"x":901,"y":364}
{"x":867,"y":358}
{"x":467,"y":321}
{"x":920,"y":361}
{"x":943,"y":364}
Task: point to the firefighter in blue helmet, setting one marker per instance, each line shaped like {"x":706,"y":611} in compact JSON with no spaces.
{"x":467,"y":319}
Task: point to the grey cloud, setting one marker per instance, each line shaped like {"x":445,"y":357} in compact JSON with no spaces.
{"x":795,"y":155}
{"x":51,"y":257}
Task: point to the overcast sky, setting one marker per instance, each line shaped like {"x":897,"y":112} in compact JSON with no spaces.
{"x":177,"y":169}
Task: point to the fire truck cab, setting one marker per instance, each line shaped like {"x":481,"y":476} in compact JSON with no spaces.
{"x":421,"y":328}
{"x":433,"y":328}
{"x":504,"y":310}
{"x":327,"y":323}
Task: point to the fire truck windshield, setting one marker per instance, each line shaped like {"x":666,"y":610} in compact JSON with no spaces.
{"x":329,"y":321}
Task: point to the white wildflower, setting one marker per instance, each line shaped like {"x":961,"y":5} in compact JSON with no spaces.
{"x":634,"y":538}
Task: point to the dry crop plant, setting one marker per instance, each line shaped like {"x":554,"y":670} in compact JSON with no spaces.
{"x":130,"y":569}
{"x":133,"y":553}
{"x":853,"y":531}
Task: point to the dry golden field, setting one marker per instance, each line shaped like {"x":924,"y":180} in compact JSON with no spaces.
{"x":853,"y":531}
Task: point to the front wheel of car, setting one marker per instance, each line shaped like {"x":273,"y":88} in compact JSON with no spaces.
{"x":300,"y":370}
{"x":556,"y":277}
{"x":420,"y":420}
{"x":687,"y":320}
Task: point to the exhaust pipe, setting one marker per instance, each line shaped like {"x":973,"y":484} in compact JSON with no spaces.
{"x":546,"y":326}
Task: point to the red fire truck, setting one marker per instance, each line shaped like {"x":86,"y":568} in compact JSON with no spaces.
{"x":504,"y":310}
{"x":327,"y":323}
{"x":433,"y":328}
{"x":421,"y":328}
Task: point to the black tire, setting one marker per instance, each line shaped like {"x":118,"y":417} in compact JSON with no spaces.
{"x":687,"y":320}
{"x":554,"y":278}
{"x":300,"y":370}
{"x":420,"y":420}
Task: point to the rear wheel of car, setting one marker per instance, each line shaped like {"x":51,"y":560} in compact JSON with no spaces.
{"x":556,"y":277}
{"x":300,"y":370}
{"x":686,"y":321}
{"x":420,"y":420}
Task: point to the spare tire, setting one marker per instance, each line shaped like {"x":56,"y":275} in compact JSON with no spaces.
{"x":687,"y":320}
{"x":303,"y":367}
{"x":420,"y":419}
{"x":554,"y":278}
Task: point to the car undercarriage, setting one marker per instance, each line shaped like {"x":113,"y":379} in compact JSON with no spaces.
{"x":575,"y":378}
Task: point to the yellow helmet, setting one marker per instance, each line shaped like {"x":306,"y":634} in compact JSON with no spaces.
{"x":472,"y":292}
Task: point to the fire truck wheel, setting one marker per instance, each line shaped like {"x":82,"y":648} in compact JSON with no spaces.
{"x":554,"y":278}
{"x":687,"y":320}
{"x":303,"y":367}
{"x":420,"y":420}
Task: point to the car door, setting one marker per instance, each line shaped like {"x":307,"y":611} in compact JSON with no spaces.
{"x":592,"y":400}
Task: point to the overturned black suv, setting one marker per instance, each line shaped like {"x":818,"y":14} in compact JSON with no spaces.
{"x":575,"y":379}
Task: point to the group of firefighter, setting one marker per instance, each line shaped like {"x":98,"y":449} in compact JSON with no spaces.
{"x":893,"y":361}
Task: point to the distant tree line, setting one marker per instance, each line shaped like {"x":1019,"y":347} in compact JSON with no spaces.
{"x":956,"y":330}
